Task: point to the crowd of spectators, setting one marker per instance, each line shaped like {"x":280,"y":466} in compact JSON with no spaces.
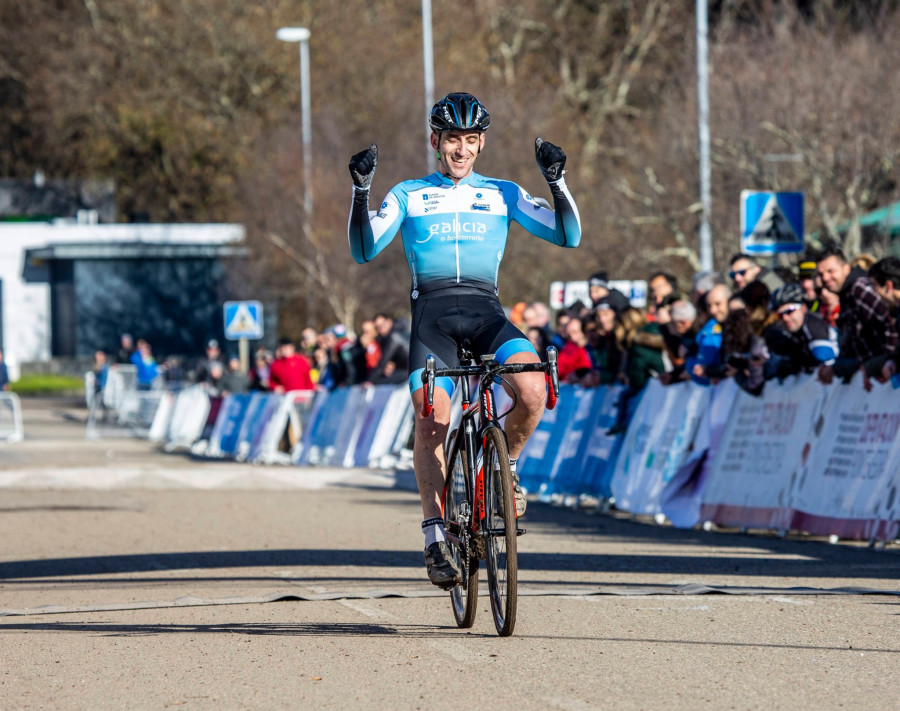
{"x":827,"y":315}
{"x":326,"y":360}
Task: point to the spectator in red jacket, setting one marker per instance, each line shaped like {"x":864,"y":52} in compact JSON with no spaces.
{"x":289,"y":371}
{"x":574,"y":359}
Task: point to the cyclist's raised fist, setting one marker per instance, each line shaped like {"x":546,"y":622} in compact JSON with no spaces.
{"x":362,"y":166}
{"x":550,"y":159}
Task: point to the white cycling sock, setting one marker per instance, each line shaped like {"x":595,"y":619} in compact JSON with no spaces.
{"x":513,"y":463}
{"x":433,"y":528}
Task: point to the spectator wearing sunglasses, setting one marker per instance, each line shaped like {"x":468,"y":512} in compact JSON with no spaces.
{"x":745,"y":270}
{"x":800,"y":341}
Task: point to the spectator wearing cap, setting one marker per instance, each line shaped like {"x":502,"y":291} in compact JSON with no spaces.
{"x":290,"y":371}
{"x":604,"y":351}
{"x":709,"y":339}
{"x":885,"y":276}
{"x":212,"y":362}
{"x":744,"y":270}
{"x":598,"y":287}
{"x":808,"y":280}
{"x":800,"y":341}
{"x":866,"y":328}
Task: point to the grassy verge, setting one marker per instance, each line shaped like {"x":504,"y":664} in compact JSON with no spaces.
{"x":47,"y":385}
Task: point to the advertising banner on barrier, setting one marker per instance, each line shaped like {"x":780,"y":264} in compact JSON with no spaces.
{"x":585,"y":451}
{"x":281,"y":415}
{"x":254,"y":422}
{"x":656,"y":443}
{"x":760,"y":450}
{"x":597,"y":456}
{"x":159,"y":428}
{"x":848,"y":481}
{"x":321,"y":432}
{"x":558,"y":477}
{"x":536,"y":459}
{"x":224,"y":438}
{"x":188,"y":417}
{"x":272,"y":404}
{"x":11,"y":429}
{"x":682,"y":497}
{"x":376,"y":401}
{"x":393,"y":430}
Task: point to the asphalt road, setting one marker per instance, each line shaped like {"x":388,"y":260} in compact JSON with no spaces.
{"x":132,"y":578}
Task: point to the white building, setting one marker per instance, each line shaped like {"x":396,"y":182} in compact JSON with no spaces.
{"x":51,"y":275}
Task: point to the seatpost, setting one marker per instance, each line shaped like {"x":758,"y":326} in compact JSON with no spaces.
{"x":428,"y":405}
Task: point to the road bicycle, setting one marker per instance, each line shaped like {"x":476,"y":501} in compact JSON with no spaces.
{"x":478,"y":504}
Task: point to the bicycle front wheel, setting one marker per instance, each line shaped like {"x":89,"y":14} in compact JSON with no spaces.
{"x":457,"y":521}
{"x":500,"y":531}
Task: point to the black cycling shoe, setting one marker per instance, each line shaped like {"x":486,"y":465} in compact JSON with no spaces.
{"x":442,"y":570}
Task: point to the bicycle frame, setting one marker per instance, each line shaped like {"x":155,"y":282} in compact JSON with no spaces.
{"x":471,"y":433}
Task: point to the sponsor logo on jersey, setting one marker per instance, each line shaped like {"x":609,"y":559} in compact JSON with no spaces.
{"x":383,"y":205}
{"x":468,"y":230}
{"x":481,"y":206}
{"x":534,"y":203}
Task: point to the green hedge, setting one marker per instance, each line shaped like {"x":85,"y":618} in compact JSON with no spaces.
{"x":47,"y":385}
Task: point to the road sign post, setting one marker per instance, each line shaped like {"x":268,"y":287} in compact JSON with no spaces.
{"x":243,"y":323}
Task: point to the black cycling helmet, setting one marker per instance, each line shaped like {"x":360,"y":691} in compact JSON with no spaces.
{"x":787,"y":294}
{"x":459,"y":112}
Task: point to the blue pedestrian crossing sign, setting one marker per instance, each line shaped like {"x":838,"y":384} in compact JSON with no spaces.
{"x":771,"y":222}
{"x":243,"y":319}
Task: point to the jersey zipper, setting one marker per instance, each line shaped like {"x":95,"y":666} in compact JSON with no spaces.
{"x":456,"y":226}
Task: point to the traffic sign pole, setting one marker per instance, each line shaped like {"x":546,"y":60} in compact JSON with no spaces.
{"x":244,"y":354}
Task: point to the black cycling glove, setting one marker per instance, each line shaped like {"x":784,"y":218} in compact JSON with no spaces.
{"x":550,"y":159}
{"x":362,"y":167}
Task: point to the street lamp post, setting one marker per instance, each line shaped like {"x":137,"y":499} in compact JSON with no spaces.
{"x":301,"y":36}
{"x":706,"y":249}
{"x":428,"y":66}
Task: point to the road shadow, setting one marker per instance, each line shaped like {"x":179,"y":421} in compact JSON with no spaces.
{"x":399,"y":630}
{"x":818,"y":562}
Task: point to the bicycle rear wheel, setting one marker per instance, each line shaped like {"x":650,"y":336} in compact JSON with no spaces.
{"x":457,"y":518}
{"x":501,"y":530}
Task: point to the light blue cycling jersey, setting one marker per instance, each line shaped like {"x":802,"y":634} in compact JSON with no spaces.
{"x":455,"y":234}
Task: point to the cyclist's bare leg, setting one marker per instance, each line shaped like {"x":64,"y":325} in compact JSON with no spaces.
{"x":428,"y":449}
{"x":532,"y":395}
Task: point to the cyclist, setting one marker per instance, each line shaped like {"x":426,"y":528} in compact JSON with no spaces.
{"x":454,"y":224}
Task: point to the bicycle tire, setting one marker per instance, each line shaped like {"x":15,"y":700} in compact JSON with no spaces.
{"x":501,"y":530}
{"x":463,"y":597}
